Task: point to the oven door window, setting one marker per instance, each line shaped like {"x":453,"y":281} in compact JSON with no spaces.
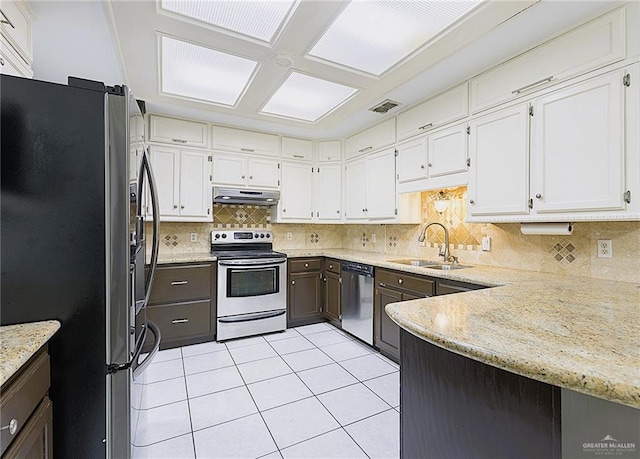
{"x":252,"y":282}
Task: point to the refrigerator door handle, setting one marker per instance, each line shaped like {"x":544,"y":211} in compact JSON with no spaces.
{"x":145,"y":169}
{"x":138,"y":368}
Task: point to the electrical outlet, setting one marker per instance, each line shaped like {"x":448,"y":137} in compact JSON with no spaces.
{"x":422,"y":244}
{"x":289,"y":235}
{"x":373,"y":237}
{"x":486,"y":244}
{"x":194,"y":237}
{"x":605,"y":248}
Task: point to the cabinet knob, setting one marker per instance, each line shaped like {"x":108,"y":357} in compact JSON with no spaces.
{"x":330,"y":266}
{"x":182,"y":207}
{"x":471,"y":201}
{"x":251,"y":177}
{"x":430,"y":165}
{"x":306,"y":265}
{"x":12,"y":427}
{"x":538,"y":196}
{"x":1,"y":61}
{"x":243,"y":176}
{"x":284,"y":210}
{"x":337,"y":211}
{"x":293,"y":282}
{"x":421,"y":166}
{"x":400,"y":281}
{"x":175,"y":206}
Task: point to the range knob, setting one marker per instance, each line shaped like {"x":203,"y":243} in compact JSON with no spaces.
{"x":262,"y":235}
{"x":256,"y":236}
{"x":224,"y":236}
{"x":217,"y":236}
{"x":268,"y":235}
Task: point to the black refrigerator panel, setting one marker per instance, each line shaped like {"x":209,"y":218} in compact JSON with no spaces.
{"x":52,"y":239}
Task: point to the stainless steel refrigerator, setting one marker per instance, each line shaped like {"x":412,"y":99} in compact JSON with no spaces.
{"x":72,"y":248}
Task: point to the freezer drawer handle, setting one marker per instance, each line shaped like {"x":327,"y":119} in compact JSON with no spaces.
{"x":156,"y":347}
{"x":179,"y":282}
{"x":179,"y":321}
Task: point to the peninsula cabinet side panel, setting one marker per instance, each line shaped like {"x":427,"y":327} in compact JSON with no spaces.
{"x":456,"y":407}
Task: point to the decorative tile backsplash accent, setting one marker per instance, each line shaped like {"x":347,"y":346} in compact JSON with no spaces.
{"x":564,"y":252}
{"x":231,"y":216}
{"x":315,"y":238}
{"x":171,"y":240}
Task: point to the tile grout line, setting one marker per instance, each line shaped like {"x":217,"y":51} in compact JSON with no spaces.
{"x":186,"y":389}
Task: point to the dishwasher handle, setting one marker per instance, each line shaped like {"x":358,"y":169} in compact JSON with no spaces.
{"x":357,"y":268}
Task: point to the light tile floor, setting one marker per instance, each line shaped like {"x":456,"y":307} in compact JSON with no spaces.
{"x":311,"y":391}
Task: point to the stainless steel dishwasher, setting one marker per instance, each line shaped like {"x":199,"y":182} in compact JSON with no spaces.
{"x":357,"y":300}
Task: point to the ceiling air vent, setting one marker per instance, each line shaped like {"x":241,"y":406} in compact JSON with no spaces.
{"x":384,"y":106}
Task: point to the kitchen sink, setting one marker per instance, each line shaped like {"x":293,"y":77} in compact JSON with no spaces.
{"x":429,"y":264}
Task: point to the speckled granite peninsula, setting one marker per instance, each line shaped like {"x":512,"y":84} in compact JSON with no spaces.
{"x":19,"y":342}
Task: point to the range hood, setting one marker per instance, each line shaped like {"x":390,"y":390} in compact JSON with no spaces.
{"x":243,"y":196}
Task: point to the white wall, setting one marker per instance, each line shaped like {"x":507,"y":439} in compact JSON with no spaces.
{"x":72,"y":38}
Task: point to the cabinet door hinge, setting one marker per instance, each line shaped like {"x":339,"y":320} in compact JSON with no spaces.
{"x":318,"y":170}
{"x":626,"y":80}
{"x":398,"y":176}
{"x":311,"y":214}
{"x":530,"y":203}
{"x":469,"y":130}
{"x":530,"y":110}
{"x":627,"y":196}
{"x":395,"y":211}
{"x":278,"y":165}
{"x":395,"y":152}
{"x":210,"y":159}
{"x":468,"y":162}
{"x":312,"y":170}
{"x":318,"y":214}
{"x":208,"y":211}
{"x":278,"y":182}
{"x":211,"y":178}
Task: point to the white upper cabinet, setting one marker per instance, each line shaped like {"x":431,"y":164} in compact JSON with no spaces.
{"x":329,"y":192}
{"x":296,"y":196}
{"x":177,"y":132}
{"x":183,"y":181}
{"x":595,"y":44}
{"x":245,"y":171}
{"x":578,"y":147}
{"x":376,"y":137}
{"x":239,"y":140}
{"x":329,"y":150}
{"x":356,"y":189}
{"x":297,"y":149}
{"x":499,"y":173}
{"x":445,"y":108}
{"x":447,"y":151}
{"x":381,"y":185}
{"x":412,"y":160}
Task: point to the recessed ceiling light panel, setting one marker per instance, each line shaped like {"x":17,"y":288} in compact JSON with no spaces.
{"x":197,"y":72}
{"x":307,"y":98}
{"x":260,"y":19}
{"x":374,"y":35}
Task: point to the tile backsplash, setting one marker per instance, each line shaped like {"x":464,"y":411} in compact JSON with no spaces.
{"x":575,"y":254}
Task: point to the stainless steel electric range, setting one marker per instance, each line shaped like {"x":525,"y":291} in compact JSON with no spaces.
{"x":252,"y":287}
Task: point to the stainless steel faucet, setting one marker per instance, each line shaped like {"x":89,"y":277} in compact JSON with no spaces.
{"x":444,"y":253}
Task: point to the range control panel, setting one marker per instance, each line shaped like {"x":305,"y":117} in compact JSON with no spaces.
{"x":234,"y":237}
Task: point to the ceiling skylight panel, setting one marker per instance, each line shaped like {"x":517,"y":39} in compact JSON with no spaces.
{"x":197,"y":72}
{"x":307,"y":98}
{"x":374,"y":35}
{"x":260,"y":19}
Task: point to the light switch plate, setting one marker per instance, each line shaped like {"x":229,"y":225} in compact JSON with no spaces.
{"x":194,"y":237}
{"x":373,"y":237}
{"x":289,"y":235}
{"x":605,"y":248}
{"x":486,"y":244}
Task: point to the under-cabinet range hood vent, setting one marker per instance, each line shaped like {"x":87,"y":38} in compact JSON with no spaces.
{"x":243,"y":196}
{"x":384,"y":106}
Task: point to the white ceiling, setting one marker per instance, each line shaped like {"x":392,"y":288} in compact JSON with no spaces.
{"x":78,"y":38}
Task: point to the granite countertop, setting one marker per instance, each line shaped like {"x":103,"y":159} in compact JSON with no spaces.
{"x":18,"y":343}
{"x":185,"y":257}
{"x":574,"y":332}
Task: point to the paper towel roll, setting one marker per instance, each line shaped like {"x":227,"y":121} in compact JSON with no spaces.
{"x":558,"y":229}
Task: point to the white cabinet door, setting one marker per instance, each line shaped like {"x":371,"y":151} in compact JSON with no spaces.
{"x":297,"y":149}
{"x":381,"y":185}
{"x":329,"y":192}
{"x":329,"y":150}
{"x":356,"y":189}
{"x":444,"y":108}
{"x":578,"y":147}
{"x":229,"y":170}
{"x":166,"y":163}
{"x":412,"y":160}
{"x":499,"y":172}
{"x":135,"y":156}
{"x":263,"y":173}
{"x":378,"y":136}
{"x":177,"y":132}
{"x":241,"y":141}
{"x":296,"y":197}
{"x":195,"y":187}
{"x":448,"y":151}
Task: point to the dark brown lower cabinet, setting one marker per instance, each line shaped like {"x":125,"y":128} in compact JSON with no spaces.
{"x":183,"y":304}
{"x":36,"y":437}
{"x":305,"y":292}
{"x":447,"y":287}
{"x":332,"y":298}
{"x":455,"y":407}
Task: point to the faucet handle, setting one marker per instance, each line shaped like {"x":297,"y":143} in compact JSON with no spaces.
{"x":453,"y":260}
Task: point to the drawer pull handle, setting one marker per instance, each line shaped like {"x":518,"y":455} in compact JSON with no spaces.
{"x":248,"y":150}
{"x":6,"y":20}
{"x":179,"y":282}
{"x":178,"y":141}
{"x":535,"y":83}
{"x":179,"y":321}
{"x":13,"y":424}
{"x":365,"y":149}
{"x":426,"y":126}
{"x":306,"y":265}
{"x":298,"y":156}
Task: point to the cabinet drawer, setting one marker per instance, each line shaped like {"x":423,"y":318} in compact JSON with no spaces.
{"x":330,"y":150}
{"x":36,"y":439}
{"x":241,"y":141}
{"x":177,"y":132}
{"x":402,"y":281}
{"x":449,"y":287}
{"x":181,"y":283}
{"x":181,"y":320}
{"x":302,"y":265}
{"x":371,"y":139}
{"x":297,"y":149}
{"x":332,"y":265}
{"x":21,"y":398}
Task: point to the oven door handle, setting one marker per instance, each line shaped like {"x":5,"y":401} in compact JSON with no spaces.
{"x":254,"y":262}
{"x":250,"y":317}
